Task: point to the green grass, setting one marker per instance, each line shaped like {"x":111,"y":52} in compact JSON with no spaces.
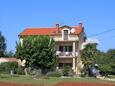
{"x":48,"y":81}
{"x":112,"y":76}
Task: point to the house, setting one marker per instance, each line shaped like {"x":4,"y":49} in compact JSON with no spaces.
{"x":69,"y":41}
{"x":5,"y":59}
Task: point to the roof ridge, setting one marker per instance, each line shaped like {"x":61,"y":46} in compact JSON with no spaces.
{"x":40,"y":27}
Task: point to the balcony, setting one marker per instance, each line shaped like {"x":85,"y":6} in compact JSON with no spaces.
{"x":66,"y":54}
{"x":70,"y":38}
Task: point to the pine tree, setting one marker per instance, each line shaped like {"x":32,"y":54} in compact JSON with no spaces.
{"x":2,"y":45}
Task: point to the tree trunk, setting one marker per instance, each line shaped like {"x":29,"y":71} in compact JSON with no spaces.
{"x":25,"y":71}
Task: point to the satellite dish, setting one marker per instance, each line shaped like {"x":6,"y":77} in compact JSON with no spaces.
{"x":72,"y":30}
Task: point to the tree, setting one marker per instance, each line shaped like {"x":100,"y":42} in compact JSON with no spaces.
{"x":89,"y":55}
{"x":9,"y":54}
{"x":111,"y":58}
{"x":2,"y":45}
{"x":38,"y":51}
{"x":106,"y":62}
{"x":111,"y":55}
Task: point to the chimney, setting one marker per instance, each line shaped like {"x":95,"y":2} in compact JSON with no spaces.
{"x":57,"y":27}
{"x":81,"y":24}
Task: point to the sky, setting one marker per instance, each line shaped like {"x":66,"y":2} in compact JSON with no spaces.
{"x":96,"y":15}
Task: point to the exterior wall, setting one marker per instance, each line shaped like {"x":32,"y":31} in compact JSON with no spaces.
{"x":65,"y":60}
{"x":79,"y":64}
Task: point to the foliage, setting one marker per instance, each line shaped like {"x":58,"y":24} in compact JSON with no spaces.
{"x":106,"y":62}
{"x":89,"y":55}
{"x":54,"y":74}
{"x":9,"y":54}
{"x":6,"y":67}
{"x":105,"y":69}
{"x":19,"y":70}
{"x":38,"y":51}
{"x":34,"y":72}
{"x":113,"y":68}
{"x":65,"y":70}
{"x":2,"y":45}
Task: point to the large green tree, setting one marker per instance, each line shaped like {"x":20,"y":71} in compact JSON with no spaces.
{"x":89,"y":55}
{"x":38,"y":51}
{"x":106,"y":61}
{"x":2,"y":45}
{"x":111,"y":57}
{"x":103,"y":63}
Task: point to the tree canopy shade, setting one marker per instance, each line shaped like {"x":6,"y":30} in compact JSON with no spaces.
{"x":2,"y":45}
{"x":38,"y":51}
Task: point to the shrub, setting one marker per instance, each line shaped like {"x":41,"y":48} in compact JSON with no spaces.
{"x":54,"y":74}
{"x":20,"y":71}
{"x":105,"y":69}
{"x":65,"y":70}
{"x":34,"y":71}
{"x":8,"y":66}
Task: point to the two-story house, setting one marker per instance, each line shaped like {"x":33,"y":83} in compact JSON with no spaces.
{"x":68,"y":41}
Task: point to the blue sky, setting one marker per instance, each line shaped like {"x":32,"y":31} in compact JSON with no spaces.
{"x":96,"y":15}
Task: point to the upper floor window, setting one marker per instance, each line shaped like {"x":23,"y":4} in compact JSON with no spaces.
{"x":65,"y":48}
{"x":65,"y":34}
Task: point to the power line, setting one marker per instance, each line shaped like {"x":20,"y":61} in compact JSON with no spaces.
{"x":112,"y":37}
{"x":97,"y":34}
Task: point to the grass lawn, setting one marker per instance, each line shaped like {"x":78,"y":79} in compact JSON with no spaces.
{"x":48,"y":81}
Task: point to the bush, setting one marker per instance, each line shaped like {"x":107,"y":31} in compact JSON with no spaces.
{"x":8,"y":66}
{"x":20,"y":71}
{"x":105,"y":69}
{"x":65,"y":70}
{"x":54,"y":74}
{"x":34,"y":71}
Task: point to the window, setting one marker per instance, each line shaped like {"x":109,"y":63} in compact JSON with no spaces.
{"x":65,"y":34}
{"x":70,"y":49}
{"x":65,"y":48}
{"x":61,"y":48}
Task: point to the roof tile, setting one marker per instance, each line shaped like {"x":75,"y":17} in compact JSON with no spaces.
{"x":45,"y":31}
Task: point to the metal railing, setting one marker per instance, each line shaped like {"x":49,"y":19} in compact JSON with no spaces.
{"x":66,"y":54}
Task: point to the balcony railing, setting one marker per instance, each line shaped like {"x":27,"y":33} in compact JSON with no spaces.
{"x":70,"y":38}
{"x":66,"y":54}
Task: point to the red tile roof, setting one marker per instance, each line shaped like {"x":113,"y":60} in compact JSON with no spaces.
{"x":38,"y":31}
{"x":46,"y":31}
{"x":3,"y":59}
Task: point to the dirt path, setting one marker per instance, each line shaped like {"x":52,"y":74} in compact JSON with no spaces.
{"x":82,"y":84}
{"x":61,"y":84}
